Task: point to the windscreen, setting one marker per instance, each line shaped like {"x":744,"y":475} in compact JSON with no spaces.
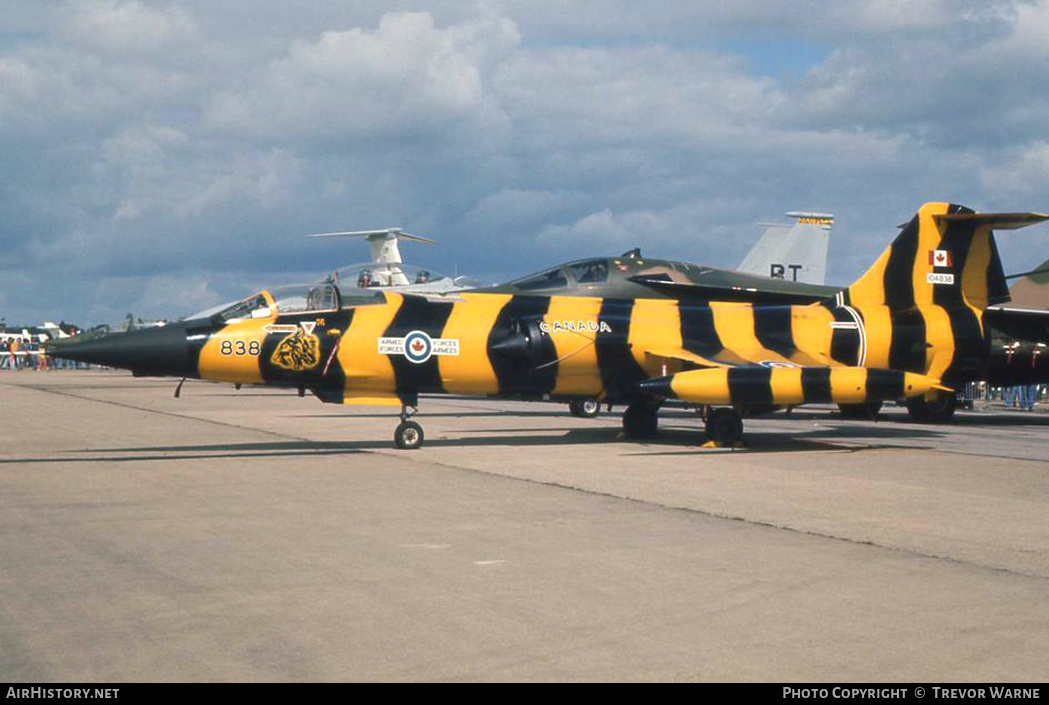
{"x":301,"y":298}
{"x":252,"y":307}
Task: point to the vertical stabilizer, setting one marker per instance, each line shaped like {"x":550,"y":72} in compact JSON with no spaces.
{"x":946,"y":255}
{"x":794,"y":252}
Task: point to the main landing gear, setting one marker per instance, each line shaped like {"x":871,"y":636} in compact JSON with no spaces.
{"x":939,"y":410}
{"x":641,"y":418}
{"x":584,"y":408}
{"x":724,"y":426}
{"x":862,"y":411}
{"x":408,"y":435}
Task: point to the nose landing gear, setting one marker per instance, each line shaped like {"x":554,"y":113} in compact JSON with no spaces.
{"x":408,"y":435}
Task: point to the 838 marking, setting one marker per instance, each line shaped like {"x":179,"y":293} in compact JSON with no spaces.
{"x":239,"y":347}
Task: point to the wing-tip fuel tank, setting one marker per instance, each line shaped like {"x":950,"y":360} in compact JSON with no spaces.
{"x":789,"y":386}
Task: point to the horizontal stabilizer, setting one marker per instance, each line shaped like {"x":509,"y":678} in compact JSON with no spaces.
{"x":378,"y":234}
{"x":788,"y":386}
{"x":997,"y":221}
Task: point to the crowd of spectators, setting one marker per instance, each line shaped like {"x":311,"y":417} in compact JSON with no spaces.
{"x":1022,"y":396}
{"x":21,"y":353}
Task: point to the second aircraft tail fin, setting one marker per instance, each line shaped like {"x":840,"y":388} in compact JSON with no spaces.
{"x":792,"y":251}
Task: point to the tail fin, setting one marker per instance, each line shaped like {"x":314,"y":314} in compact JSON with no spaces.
{"x":795,"y":252}
{"x":946,"y":255}
{"x":1031,"y":290}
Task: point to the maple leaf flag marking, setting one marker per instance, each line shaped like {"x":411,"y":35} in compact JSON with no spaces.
{"x":940,"y":258}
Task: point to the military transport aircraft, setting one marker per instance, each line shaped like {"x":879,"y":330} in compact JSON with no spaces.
{"x":913,"y":326}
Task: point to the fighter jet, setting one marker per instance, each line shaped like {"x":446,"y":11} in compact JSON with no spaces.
{"x":786,"y":266}
{"x":387,"y":269}
{"x":912,"y":327}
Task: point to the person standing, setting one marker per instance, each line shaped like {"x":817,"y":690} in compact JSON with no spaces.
{"x":16,"y":346}
{"x":1028,"y":396}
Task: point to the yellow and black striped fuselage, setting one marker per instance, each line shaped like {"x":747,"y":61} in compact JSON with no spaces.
{"x":571,"y":347}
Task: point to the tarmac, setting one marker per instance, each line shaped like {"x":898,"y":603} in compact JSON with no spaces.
{"x":254,"y":535}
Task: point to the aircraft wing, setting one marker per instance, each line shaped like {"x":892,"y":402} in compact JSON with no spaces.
{"x":682,"y":355}
{"x":742,"y":288}
{"x":1022,"y":323}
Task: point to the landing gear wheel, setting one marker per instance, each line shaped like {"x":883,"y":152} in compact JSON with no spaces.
{"x":584,"y":408}
{"x":641,"y":420}
{"x":939,"y":410}
{"x":724,"y":426}
{"x":862,"y":411}
{"x":408,"y":435}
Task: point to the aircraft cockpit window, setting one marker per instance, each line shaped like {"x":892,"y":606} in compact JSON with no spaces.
{"x":353,"y":297}
{"x":553,"y":279}
{"x":254,"y":307}
{"x":303,"y":298}
{"x":590,"y":272}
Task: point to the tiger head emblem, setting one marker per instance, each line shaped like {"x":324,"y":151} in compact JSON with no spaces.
{"x":299,"y":351}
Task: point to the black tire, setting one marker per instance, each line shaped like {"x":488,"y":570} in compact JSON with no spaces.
{"x":860,"y":412}
{"x":724,"y":426}
{"x":584,"y":408}
{"x":641,"y":420}
{"x":939,"y":410}
{"x":408,"y":435}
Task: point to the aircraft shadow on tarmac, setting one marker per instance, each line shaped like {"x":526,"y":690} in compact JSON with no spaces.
{"x":282,"y":449}
{"x":672,"y":438}
{"x":680,"y":434}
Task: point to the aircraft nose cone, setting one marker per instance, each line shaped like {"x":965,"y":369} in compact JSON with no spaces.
{"x":148,"y":351}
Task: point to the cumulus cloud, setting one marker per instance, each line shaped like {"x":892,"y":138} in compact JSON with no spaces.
{"x":112,"y":26}
{"x":148,"y":143}
{"x":407,"y":76}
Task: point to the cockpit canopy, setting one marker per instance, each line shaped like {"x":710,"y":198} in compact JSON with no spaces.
{"x":371,"y":275}
{"x":295,"y":298}
{"x":588,"y":271}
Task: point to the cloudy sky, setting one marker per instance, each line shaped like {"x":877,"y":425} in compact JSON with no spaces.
{"x":161,"y":157}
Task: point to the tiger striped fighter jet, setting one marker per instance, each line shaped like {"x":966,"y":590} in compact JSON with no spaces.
{"x":912,"y":327}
